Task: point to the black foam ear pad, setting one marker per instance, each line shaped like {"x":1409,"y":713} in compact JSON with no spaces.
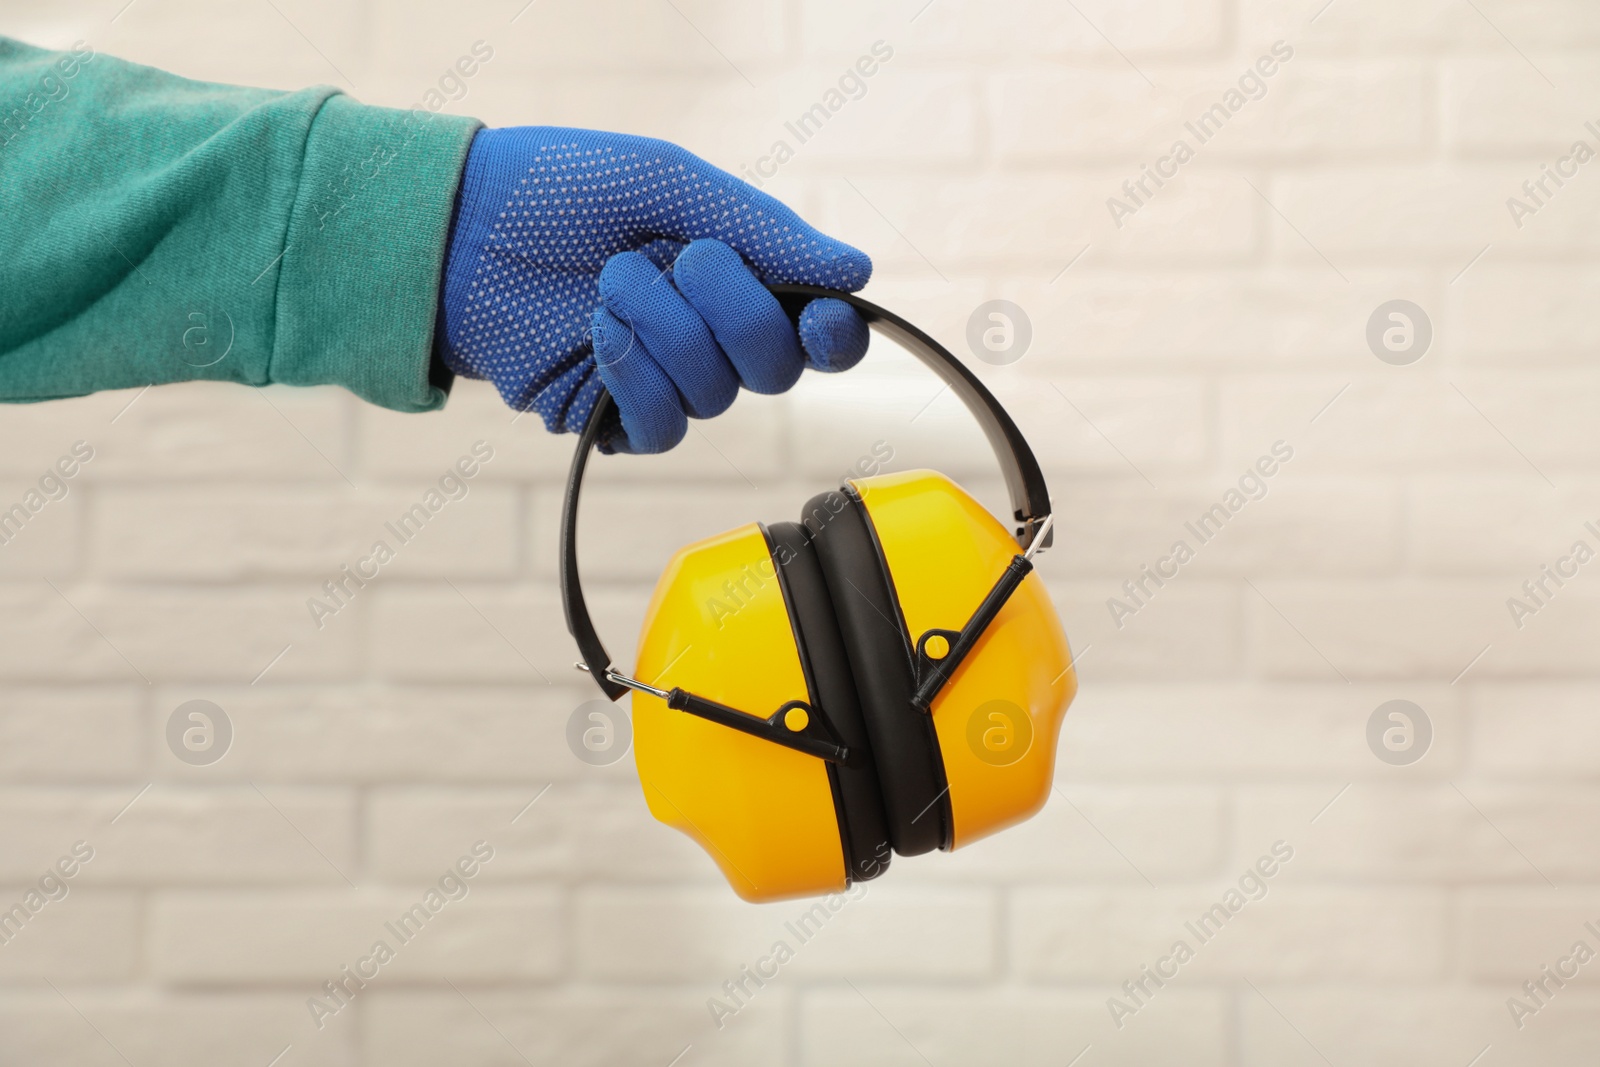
{"x":915,"y":794}
{"x":857,"y":796}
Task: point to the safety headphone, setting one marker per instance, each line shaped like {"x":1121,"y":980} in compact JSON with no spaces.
{"x":887,"y":673}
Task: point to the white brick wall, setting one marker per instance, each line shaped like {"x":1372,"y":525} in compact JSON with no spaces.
{"x":1228,"y":313}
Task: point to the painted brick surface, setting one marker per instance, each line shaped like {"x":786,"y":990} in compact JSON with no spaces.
{"x":1180,"y":327}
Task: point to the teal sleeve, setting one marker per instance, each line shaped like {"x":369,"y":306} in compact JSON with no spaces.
{"x":155,"y":229}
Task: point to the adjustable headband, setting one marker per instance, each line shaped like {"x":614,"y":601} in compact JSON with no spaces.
{"x":1030,"y":498}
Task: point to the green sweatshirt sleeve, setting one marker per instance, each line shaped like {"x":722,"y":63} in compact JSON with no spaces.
{"x":155,"y":229}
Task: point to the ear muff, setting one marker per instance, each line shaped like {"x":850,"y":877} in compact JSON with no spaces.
{"x":903,"y":741}
{"x":888,"y":672}
{"x":993,"y":724}
{"x":746,"y":619}
{"x":719,"y":626}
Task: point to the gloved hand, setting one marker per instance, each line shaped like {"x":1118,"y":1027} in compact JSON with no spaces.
{"x":579,"y":258}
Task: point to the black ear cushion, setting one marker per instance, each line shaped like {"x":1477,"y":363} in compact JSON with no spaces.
{"x":857,"y":796}
{"x":915,"y":795}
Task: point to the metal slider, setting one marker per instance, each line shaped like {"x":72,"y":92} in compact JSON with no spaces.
{"x":1039,"y":536}
{"x":623,"y":679}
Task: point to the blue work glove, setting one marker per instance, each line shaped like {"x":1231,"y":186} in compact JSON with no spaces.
{"x":579,"y":258}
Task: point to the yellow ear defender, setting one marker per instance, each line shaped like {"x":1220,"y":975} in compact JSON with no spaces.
{"x":887,"y":674}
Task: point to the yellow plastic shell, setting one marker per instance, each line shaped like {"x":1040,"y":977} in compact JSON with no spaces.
{"x":944,"y":553}
{"x":718,"y":627}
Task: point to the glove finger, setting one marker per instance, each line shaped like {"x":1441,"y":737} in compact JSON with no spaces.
{"x":647,"y":401}
{"x":661,"y":251}
{"x":833,"y":335}
{"x":747,"y":320}
{"x":675,"y":336}
{"x":566,"y":401}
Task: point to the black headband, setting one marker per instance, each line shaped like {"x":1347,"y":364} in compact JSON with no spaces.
{"x":1030,"y":498}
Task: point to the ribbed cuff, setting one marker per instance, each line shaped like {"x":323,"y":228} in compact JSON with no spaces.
{"x":358,"y":287}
